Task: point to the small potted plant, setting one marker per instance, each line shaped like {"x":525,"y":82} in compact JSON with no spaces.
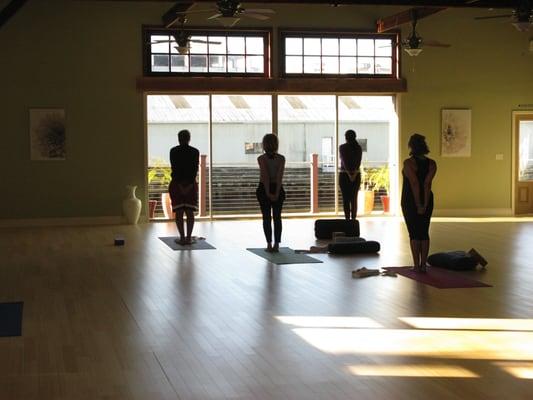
{"x":160,"y":174}
{"x":380,"y":180}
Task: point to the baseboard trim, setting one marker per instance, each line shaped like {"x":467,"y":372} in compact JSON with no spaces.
{"x":473,"y":212}
{"x":74,"y":221}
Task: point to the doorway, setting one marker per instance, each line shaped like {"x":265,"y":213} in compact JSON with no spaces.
{"x":523,"y":163}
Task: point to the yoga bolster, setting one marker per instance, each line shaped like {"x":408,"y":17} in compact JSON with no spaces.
{"x":454,"y":260}
{"x":324,"y":228}
{"x":348,"y":239}
{"x":354,"y":248}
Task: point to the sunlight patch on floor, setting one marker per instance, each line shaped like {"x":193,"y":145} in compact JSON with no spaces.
{"x":329,"y":322}
{"x":413,"y":370}
{"x":522,"y":370}
{"x":491,"y":324}
{"x":475,"y":345}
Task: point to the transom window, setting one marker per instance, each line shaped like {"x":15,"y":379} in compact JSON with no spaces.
{"x":339,"y":54}
{"x":207,"y":53}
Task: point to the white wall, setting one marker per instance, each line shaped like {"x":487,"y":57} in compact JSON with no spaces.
{"x":297,"y":140}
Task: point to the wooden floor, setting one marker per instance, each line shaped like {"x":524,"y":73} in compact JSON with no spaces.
{"x":145,"y":322}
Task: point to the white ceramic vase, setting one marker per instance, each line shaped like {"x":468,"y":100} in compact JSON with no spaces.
{"x":131,"y":206}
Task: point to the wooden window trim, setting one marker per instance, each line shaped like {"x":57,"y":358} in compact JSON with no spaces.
{"x":148,"y":30}
{"x":394,"y":36}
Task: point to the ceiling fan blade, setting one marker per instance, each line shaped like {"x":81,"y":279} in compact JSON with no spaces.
{"x":162,"y":41}
{"x":435,"y":43}
{"x":204,"y":42}
{"x":255,"y":16}
{"x":215,"y":16}
{"x":196,"y":11}
{"x":495,"y":16}
{"x":259,"y":10}
{"x":389,"y":46}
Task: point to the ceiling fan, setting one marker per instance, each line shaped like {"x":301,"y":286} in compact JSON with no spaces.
{"x":183,"y":38}
{"x":414,"y":43}
{"x":229,"y":12}
{"x":521,"y":16}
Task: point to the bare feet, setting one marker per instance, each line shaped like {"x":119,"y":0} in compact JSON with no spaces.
{"x":420,"y":269}
{"x":180,"y":241}
{"x":478,"y":257}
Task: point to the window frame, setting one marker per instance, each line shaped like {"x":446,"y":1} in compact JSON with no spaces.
{"x":284,"y":33}
{"x":266,"y":34}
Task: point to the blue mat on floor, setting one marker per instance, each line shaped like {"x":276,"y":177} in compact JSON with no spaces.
{"x":199,"y":244}
{"x":285,"y":256}
{"x":11,"y":319}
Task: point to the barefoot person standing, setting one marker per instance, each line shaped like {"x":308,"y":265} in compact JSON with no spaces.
{"x":351,"y":154}
{"x":417,"y":198}
{"x":270,"y":193}
{"x":183,"y":187}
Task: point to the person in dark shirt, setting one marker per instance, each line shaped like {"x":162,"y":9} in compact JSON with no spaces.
{"x":351,"y":154}
{"x":183,"y":187}
{"x":417,"y":198}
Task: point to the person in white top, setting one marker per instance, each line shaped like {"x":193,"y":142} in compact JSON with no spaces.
{"x":270,"y":192}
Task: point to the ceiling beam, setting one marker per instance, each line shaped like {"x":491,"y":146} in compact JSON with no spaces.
{"x":10,"y":10}
{"x":171,"y":16}
{"x":413,"y":3}
{"x":393,"y":21}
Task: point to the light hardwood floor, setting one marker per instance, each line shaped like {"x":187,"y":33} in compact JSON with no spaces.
{"x":145,"y":322}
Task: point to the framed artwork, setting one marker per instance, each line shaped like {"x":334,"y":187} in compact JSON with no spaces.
{"x":47,"y":134}
{"x":456,"y":133}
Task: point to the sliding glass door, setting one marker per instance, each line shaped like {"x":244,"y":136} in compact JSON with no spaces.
{"x":228,"y":130}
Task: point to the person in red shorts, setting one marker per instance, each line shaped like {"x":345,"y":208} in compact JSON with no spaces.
{"x":183,"y":187}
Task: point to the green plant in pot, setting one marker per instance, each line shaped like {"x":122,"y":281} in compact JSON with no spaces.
{"x":380,"y":180}
{"x":160,"y":174}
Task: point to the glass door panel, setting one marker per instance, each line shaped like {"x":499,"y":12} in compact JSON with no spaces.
{"x":306,"y":126}
{"x":167,"y":115}
{"x":524,"y":152}
{"x":239,"y":124}
{"x":374,"y":120}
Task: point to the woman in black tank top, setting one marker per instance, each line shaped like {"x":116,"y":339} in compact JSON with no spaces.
{"x":270,"y":192}
{"x":417,"y":198}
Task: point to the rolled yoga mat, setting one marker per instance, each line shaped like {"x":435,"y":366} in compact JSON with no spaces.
{"x":324,"y":228}
{"x":363,"y":247}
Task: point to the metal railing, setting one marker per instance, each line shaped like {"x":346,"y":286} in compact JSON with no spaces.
{"x":234,"y":190}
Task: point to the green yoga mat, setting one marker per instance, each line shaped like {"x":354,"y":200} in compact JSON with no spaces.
{"x":199,"y":244}
{"x":285,"y":256}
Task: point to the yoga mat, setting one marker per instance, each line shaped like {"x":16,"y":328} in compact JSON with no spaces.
{"x":199,"y":244}
{"x":11,"y":319}
{"x":285,"y":256}
{"x":439,"y":278}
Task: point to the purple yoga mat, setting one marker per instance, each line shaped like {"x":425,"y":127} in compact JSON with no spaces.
{"x":439,"y":278}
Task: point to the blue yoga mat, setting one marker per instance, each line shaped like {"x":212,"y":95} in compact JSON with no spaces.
{"x":11,"y":319}
{"x":199,"y":244}
{"x":285,"y":256}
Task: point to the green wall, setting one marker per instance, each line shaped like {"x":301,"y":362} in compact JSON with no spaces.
{"x":85,"y":56}
{"x":489,"y":70}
